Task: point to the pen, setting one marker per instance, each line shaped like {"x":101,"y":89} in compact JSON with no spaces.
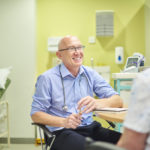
{"x":80,"y":113}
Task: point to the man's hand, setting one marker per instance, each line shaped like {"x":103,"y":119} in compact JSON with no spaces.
{"x":72,"y":121}
{"x":89,"y":103}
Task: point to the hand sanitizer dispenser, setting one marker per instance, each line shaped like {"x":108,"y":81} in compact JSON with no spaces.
{"x":119,"y":54}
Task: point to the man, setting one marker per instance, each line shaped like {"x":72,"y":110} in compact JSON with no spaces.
{"x":64,"y":101}
{"x":136,"y":134}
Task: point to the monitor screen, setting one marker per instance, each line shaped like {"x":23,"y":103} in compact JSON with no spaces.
{"x":132,"y":61}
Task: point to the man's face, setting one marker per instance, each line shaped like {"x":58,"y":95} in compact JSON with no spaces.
{"x":71,"y":57}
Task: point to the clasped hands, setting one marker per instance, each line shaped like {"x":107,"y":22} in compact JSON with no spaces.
{"x":74,"y":120}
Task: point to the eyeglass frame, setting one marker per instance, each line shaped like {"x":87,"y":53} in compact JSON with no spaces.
{"x":72,"y":48}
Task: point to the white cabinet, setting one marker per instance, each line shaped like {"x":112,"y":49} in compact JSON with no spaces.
{"x":104,"y":71}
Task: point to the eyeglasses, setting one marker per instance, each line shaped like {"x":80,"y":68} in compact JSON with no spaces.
{"x":79,"y":48}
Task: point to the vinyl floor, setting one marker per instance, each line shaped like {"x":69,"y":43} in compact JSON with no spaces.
{"x":20,"y":147}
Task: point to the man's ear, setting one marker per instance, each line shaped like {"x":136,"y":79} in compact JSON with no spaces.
{"x":58,"y":54}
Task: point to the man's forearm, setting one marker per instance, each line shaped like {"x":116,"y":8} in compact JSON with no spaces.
{"x":46,"y":119}
{"x":132,"y":140}
{"x":114,"y":101}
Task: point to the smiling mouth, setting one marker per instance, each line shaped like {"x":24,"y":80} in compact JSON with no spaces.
{"x":78,"y":58}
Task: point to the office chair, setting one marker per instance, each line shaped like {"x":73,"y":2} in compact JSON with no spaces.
{"x":49,"y":137}
{"x":97,"y":145}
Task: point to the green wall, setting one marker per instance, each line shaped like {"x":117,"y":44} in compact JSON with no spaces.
{"x":77,"y":17}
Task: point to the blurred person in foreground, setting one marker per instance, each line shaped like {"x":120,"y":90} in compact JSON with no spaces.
{"x":136,"y":135}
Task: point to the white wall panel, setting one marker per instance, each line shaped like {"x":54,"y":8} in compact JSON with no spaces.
{"x":147,"y":31}
{"x":17,"y":49}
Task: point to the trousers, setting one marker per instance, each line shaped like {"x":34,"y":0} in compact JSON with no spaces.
{"x":74,"y":139}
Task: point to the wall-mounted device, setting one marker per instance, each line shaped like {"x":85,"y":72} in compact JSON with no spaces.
{"x":134,"y":62}
{"x":119,"y":55}
{"x":104,"y":23}
{"x":53,"y":43}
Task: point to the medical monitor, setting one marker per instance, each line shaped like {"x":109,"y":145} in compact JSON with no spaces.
{"x":132,"y":61}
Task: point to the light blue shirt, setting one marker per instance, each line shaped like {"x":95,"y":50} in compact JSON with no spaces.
{"x":138,"y":116}
{"x":49,"y":96}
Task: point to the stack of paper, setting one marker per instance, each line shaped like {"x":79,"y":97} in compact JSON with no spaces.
{"x":112,"y":109}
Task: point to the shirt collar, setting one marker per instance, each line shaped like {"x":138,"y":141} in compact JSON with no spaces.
{"x":65,"y":72}
{"x":81,"y":70}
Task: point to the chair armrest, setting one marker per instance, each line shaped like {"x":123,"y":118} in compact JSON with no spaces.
{"x":44,"y":128}
{"x":111,"y":124}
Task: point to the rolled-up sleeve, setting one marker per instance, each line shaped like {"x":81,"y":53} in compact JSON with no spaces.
{"x":42,"y":96}
{"x":101,"y":88}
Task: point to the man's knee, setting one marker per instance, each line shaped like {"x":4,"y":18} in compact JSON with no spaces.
{"x":69,"y":140}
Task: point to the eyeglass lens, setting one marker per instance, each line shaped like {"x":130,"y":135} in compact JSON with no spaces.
{"x":76,"y":48}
